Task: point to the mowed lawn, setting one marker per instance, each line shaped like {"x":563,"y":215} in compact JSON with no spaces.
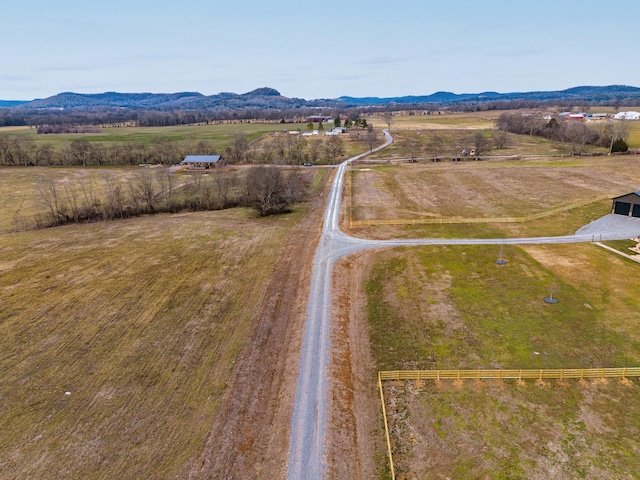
{"x":453,"y":307}
{"x":117,"y":339}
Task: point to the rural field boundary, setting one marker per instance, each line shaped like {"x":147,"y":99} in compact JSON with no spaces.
{"x":460,"y":220}
{"x":516,"y":374}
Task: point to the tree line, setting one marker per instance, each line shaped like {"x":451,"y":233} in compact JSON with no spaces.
{"x":268,"y":190}
{"x":280,"y":148}
{"x":609,"y":134}
{"x":22,"y":150}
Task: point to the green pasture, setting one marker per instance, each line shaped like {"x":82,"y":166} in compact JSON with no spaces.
{"x":219,"y":135}
{"x":452,"y":307}
{"x":495,"y":316}
{"x":633,"y":139}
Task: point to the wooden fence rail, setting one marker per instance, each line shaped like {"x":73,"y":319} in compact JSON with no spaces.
{"x":539,"y":374}
{"x":460,"y":220}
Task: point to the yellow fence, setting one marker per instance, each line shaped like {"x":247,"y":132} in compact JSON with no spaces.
{"x":460,"y":220}
{"x":540,"y":374}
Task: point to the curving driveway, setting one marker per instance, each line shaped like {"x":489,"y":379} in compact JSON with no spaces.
{"x":308,"y":422}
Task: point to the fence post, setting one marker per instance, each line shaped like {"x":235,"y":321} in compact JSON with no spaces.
{"x":386,"y":428}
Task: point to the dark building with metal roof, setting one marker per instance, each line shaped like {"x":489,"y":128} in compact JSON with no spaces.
{"x":628,"y":204}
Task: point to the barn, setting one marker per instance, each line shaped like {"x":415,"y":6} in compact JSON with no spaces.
{"x":628,"y":205}
{"x":202,"y":162}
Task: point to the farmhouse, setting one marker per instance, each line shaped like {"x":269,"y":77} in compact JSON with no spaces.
{"x":628,"y":204}
{"x":336,"y":131}
{"x":203,"y":162}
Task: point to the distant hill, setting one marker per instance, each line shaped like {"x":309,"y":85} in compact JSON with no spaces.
{"x":260,"y":98}
{"x":584,"y":94}
{"x":12,"y":103}
{"x":269,"y":98}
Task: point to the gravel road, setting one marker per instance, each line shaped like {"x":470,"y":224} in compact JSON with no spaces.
{"x":308,"y":422}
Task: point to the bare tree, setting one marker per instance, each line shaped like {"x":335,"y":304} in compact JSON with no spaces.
{"x":314,"y":151}
{"x":269,"y":192}
{"x":165,"y":151}
{"x":204,"y":147}
{"x":578,"y":135}
{"x":223,"y":183}
{"x":146,"y":189}
{"x":388,"y":119}
{"x":481,"y":144}
{"x":279,"y":148}
{"x":333,"y":148}
{"x":501,"y":140}
{"x":73,"y":201}
{"x":297,"y":145}
{"x":237,"y":151}
{"x":90,"y":202}
{"x":618,"y":131}
{"x":167,"y":193}
{"x":435,"y":145}
{"x":24,"y":149}
{"x":201,"y":191}
{"x":265,"y":190}
{"x":49,"y":197}
{"x":413,"y":145}
{"x":80,"y":149}
{"x":45,"y":154}
{"x":371,"y":137}
{"x":114,"y":198}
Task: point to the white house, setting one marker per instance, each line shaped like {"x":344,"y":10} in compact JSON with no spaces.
{"x":336,"y":131}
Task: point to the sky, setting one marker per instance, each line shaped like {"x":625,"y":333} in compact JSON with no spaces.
{"x":315,"y":49}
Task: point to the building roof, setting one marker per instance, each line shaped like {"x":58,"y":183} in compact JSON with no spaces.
{"x":637,"y":193}
{"x":201,"y":159}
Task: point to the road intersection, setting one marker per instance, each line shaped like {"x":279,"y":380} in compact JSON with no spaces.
{"x":309,"y":420}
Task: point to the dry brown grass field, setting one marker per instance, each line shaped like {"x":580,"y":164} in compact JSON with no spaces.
{"x":21,"y":186}
{"x":489,"y":189}
{"x":118,"y":339}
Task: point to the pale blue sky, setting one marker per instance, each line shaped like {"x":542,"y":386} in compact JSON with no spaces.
{"x":315,"y":49}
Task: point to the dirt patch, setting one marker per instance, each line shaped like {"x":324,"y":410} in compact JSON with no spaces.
{"x":511,"y":431}
{"x":356,"y":432}
{"x":250,"y":436}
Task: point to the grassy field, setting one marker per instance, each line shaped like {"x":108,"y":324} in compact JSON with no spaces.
{"x":453,"y":307}
{"x":219,"y":135}
{"x":117,"y":338}
{"x":634,"y":135}
{"x":489,"y":189}
{"x":444,"y":120}
{"x":519,"y":145}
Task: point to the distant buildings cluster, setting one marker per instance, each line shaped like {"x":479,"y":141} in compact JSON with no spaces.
{"x":630,"y":115}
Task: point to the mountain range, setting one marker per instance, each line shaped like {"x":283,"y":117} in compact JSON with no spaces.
{"x":269,"y":98}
